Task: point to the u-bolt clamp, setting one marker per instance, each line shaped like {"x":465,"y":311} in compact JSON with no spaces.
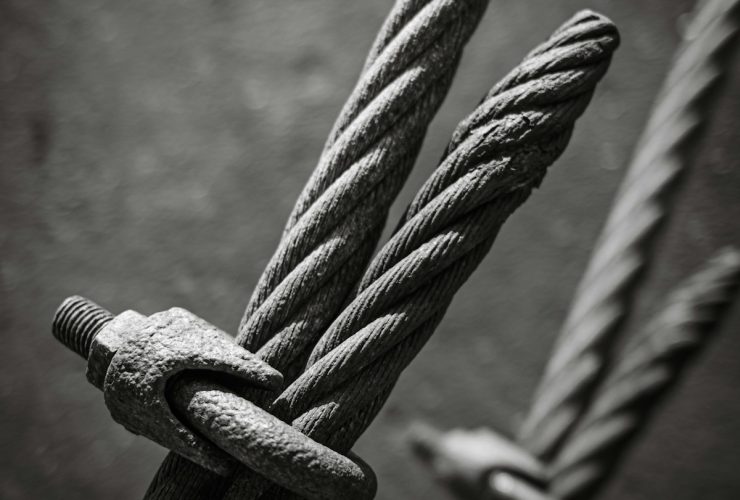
{"x":151,"y":369}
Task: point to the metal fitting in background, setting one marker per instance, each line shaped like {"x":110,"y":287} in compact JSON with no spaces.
{"x":479,"y":464}
{"x":507,"y":486}
{"x":152,"y":371}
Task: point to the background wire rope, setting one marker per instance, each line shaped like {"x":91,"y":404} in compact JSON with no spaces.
{"x":603,"y":297}
{"x":650,"y":365}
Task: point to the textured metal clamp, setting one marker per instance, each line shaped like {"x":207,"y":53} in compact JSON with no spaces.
{"x":152,"y":371}
{"x":274,"y":449}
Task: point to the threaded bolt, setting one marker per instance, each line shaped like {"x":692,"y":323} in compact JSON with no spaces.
{"x":77,"y":322}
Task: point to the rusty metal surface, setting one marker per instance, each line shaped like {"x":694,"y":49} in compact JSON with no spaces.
{"x":158,"y":349}
{"x":151,"y":152}
{"x":137,"y":360}
{"x":274,"y":449}
{"x":179,"y":381}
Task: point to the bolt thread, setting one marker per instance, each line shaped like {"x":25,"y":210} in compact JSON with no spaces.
{"x":77,"y":322}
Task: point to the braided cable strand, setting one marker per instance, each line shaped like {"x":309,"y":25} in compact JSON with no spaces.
{"x":552,"y":86}
{"x":649,"y":366}
{"x":603,"y":297}
{"x":488,"y":172}
{"x":338,"y":217}
{"x":337,"y":220}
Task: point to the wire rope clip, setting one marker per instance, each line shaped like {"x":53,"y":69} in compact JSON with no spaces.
{"x":157,"y":375}
{"x":135,"y":360}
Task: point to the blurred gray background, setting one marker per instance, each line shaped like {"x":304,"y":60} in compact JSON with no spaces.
{"x":151,"y":152}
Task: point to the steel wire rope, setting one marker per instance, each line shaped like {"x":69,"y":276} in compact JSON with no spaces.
{"x":650,"y":365}
{"x":519,"y":129}
{"x":337,"y":220}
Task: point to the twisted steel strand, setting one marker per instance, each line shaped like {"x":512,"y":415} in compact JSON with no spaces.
{"x":603,"y":297}
{"x":338,"y":218}
{"x":515,"y":134}
{"x":367,"y":158}
{"x":552,"y":86}
{"x":649,"y":366}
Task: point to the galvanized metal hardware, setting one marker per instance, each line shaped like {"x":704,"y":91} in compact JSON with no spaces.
{"x":273,"y":448}
{"x":133,"y":358}
{"x":151,"y":371}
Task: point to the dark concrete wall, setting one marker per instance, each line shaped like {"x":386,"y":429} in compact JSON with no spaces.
{"x":151,"y":152}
